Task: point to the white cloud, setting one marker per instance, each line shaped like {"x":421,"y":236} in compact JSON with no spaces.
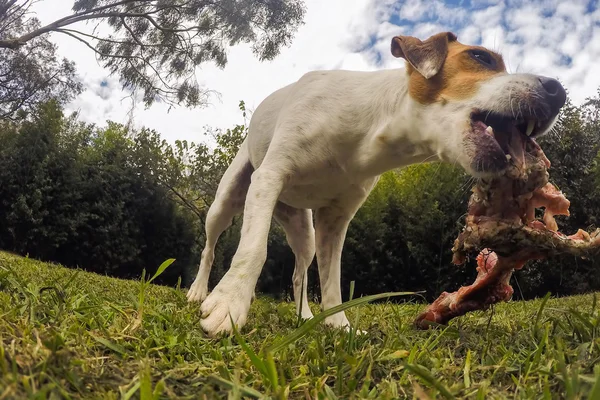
{"x":414,"y":10}
{"x":571,"y":44}
{"x":470,"y":34}
{"x":534,"y":36}
{"x":488,"y":17}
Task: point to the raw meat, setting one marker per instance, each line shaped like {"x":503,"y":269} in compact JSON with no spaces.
{"x":501,"y":226}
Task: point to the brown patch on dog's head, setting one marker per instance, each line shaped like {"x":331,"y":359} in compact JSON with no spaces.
{"x":442,"y":69}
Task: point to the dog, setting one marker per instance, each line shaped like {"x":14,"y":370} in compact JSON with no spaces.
{"x":322,"y":142}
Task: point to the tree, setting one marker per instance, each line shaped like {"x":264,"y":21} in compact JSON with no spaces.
{"x":86,"y":197}
{"x":30,"y":73}
{"x":155,"y":45}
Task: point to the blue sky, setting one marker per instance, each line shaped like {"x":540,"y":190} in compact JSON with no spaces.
{"x":555,"y":38}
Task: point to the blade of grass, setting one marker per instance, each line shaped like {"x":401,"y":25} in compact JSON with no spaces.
{"x":424,"y":374}
{"x":271,"y":369}
{"x":71,"y":280}
{"x":245,"y":390}
{"x":595,"y":392}
{"x":300,"y":319}
{"x":131,"y":391}
{"x":539,"y":313}
{"x":256,"y":361}
{"x":145,"y":384}
{"x":310,"y":324}
{"x":467,"y":370}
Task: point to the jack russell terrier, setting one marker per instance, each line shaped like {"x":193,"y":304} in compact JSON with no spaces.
{"x":322,"y":142}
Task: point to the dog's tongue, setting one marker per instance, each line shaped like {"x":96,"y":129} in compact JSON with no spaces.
{"x":513,"y":143}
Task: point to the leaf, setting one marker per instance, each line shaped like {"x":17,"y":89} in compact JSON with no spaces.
{"x":396,"y":355}
{"x":162,"y":268}
{"x":112,"y":346}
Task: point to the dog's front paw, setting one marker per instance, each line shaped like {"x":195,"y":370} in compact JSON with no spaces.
{"x":198,"y":291}
{"x":221,"y":307}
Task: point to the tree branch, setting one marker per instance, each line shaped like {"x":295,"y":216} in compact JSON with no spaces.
{"x":185,"y":201}
{"x":6,"y":6}
{"x":93,"y":14}
{"x":24,"y":99}
{"x":127,"y":58}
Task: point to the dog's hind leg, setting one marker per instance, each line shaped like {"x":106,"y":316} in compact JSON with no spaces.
{"x":331,"y":225}
{"x":300,"y":235}
{"x":229,"y":202}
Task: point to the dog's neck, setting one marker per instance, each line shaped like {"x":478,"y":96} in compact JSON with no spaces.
{"x":404,"y":131}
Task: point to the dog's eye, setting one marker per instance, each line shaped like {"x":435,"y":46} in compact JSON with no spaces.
{"x":484,"y":58}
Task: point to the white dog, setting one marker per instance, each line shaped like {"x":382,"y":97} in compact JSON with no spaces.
{"x":322,"y":142}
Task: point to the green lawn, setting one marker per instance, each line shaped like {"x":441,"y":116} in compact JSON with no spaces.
{"x":69,"y":334}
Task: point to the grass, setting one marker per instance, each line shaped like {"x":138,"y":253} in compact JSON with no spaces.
{"x":72,"y":334}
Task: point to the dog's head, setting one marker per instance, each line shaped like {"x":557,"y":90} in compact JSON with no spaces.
{"x":482,"y":115}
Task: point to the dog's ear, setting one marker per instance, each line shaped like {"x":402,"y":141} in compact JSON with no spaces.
{"x":427,"y":56}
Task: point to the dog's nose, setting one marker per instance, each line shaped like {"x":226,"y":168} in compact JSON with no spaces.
{"x":555,"y":93}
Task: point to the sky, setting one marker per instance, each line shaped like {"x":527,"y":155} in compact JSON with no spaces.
{"x":555,"y":38}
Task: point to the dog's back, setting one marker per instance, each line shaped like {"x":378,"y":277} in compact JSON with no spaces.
{"x":339,"y":102}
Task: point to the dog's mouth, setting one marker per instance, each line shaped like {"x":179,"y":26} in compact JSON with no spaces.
{"x":512,"y":134}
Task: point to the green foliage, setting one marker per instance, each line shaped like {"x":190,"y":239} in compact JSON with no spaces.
{"x":69,"y":334}
{"x":88,"y":197}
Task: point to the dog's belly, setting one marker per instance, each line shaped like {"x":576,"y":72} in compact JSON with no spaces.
{"x":308,"y":196}
{"x":325,"y":194}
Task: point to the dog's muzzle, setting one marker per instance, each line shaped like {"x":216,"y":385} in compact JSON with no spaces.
{"x":501,"y":137}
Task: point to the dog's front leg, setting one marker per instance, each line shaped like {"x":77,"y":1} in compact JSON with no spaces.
{"x":331,"y":225}
{"x":233,"y":295}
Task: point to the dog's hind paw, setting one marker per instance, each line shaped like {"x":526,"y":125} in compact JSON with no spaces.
{"x":306,"y":314}
{"x":339,"y":321}
{"x":358,"y":332}
{"x":220,"y":308}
